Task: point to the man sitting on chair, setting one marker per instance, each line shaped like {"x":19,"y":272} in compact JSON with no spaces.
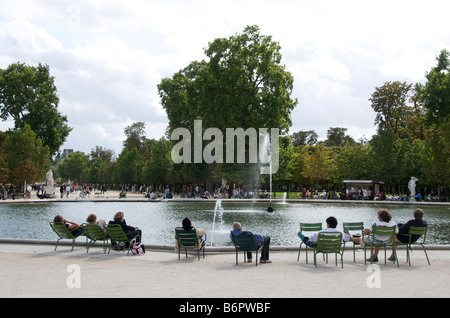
{"x":331,"y":227}
{"x":259,"y":239}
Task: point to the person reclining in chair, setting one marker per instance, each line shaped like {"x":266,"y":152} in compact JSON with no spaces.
{"x":331,"y":227}
{"x":259,"y":239}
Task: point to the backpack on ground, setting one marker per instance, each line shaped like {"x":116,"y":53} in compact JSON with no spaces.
{"x":138,"y":249}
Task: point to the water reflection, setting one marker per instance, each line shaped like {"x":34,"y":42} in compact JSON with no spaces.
{"x":159,"y":219}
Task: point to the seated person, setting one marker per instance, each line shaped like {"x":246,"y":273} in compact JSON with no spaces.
{"x":73,"y":227}
{"x":418,"y":221}
{"x":418,"y":197}
{"x":259,"y":239}
{"x":331,"y":227}
{"x":384,"y":219}
{"x":187,"y":226}
{"x":92,"y":219}
{"x":130,"y":231}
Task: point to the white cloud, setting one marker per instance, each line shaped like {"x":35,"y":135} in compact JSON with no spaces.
{"x":108,"y":56}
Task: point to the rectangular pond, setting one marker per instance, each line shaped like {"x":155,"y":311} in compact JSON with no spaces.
{"x":157,"y":220}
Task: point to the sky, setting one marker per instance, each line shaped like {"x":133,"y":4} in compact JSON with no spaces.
{"x":108,"y":56}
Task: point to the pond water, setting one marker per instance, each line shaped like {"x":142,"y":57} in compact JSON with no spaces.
{"x":157,"y":220}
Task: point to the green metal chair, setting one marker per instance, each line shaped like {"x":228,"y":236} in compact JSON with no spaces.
{"x":117,"y":235}
{"x":422,"y":231}
{"x":329,"y":243}
{"x":188,"y":240}
{"x":245,"y":242}
{"x":353,"y":226}
{"x":307,"y":227}
{"x":95,"y":233}
{"x":378,"y":232}
{"x":63,"y":233}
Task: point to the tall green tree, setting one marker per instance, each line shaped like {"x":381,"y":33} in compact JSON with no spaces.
{"x":435,"y":94}
{"x":320,"y":165}
{"x":158,"y":169}
{"x":26,"y":157}
{"x":391,"y":105}
{"x":28,"y":95}
{"x":128,"y":168}
{"x":242,"y":85}
{"x":73,"y":167}
{"x":353,"y":162}
{"x":337,"y":137}
{"x":303,"y":138}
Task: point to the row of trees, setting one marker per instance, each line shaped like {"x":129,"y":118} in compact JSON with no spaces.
{"x":412,"y":138}
{"x":241,"y":84}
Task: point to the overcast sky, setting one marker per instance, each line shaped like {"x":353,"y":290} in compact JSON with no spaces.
{"x":107,"y":56}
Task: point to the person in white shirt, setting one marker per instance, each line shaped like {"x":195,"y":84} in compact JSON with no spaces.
{"x":384,"y":219}
{"x":331,"y":227}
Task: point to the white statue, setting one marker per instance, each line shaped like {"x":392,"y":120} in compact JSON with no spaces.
{"x":50,"y":189}
{"x":412,"y":186}
{"x":50,"y":180}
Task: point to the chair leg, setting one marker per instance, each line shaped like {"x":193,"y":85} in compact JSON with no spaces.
{"x":394,"y":250}
{"x":315,"y":259}
{"x":299,"y":250}
{"x":425,"y":251}
{"x":306,"y":253}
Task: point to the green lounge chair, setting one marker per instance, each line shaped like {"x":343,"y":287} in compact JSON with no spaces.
{"x":95,"y":233}
{"x":245,"y":242}
{"x":189,"y":240}
{"x":63,"y":233}
{"x":353,"y":226}
{"x":422,"y":231}
{"x":380,"y":231}
{"x":329,"y":243}
{"x":117,"y":235}
{"x":307,"y":227}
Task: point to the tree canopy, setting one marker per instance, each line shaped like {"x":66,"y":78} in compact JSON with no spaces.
{"x":28,"y":95}
{"x":241,"y":85}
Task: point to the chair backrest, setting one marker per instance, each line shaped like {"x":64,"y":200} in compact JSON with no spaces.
{"x":383,"y":233}
{"x":61,"y":230}
{"x":329,"y":242}
{"x":418,"y":231}
{"x":94,"y":232}
{"x":244,"y":241}
{"x":116,"y":233}
{"x":353,"y":226}
{"x":310,"y":227}
{"x":186,"y":239}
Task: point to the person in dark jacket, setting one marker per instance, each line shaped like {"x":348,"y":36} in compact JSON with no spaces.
{"x":259,"y":239}
{"x":418,"y":221}
{"x":130,"y":231}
